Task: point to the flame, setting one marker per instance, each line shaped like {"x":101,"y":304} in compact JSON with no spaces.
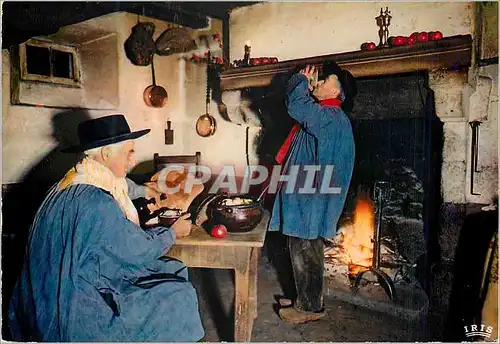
{"x":358,"y":240}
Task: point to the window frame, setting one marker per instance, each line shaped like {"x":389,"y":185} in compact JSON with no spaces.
{"x":75,"y":81}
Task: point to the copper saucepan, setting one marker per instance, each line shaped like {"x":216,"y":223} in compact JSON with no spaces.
{"x":154,"y":95}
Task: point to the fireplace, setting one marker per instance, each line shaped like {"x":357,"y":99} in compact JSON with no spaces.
{"x":398,"y":141}
{"x":420,"y":134}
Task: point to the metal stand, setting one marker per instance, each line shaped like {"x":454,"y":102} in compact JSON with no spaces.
{"x":383,"y":22}
{"x":382,"y":278}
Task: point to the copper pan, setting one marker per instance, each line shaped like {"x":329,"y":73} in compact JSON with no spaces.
{"x":154,"y":95}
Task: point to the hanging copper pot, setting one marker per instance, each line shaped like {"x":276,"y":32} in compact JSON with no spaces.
{"x":154,"y":95}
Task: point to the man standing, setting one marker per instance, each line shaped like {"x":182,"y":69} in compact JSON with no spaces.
{"x":321,"y":141}
{"x":90,"y":272}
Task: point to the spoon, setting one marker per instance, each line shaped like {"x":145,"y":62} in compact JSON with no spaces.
{"x":262,"y":194}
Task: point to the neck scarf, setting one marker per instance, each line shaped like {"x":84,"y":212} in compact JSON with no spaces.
{"x":282,"y":153}
{"x":91,"y":172}
{"x":335,"y":102}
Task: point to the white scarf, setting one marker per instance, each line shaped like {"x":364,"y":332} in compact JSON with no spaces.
{"x":91,"y":172}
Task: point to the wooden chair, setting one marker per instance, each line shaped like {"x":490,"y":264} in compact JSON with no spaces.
{"x":179,"y":200}
{"x":161,"y":161}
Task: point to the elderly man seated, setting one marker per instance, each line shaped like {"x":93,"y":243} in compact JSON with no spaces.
{"x":90,"y":272}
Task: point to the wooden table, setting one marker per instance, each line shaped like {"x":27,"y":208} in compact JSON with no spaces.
{"x":238,"y":251}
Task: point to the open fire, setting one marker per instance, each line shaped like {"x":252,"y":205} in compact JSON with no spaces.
{"x":353,"y":251}
{"x":356,"y":240}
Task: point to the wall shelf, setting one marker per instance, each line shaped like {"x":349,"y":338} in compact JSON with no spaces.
{"x":448,"y":53}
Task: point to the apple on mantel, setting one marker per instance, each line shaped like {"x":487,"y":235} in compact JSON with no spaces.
{"x":397,"y":41}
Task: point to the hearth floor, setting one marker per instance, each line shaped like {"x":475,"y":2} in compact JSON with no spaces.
{"x":345,"y":322}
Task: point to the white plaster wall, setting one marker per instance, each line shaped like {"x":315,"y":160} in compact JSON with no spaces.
{"x":27,"y":134}
{"x":227,"y":146}
{"x":27,"y":131}
{"x":291,"y":30}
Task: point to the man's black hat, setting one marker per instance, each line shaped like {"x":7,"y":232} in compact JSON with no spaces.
{"x":104,"y":131}
{"x":346,"y":79}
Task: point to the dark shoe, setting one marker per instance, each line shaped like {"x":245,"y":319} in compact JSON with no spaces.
{"x":293,"y":315}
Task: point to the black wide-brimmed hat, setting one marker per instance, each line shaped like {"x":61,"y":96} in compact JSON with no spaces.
{"x":104,"y":131}
{"x":346,"y":79}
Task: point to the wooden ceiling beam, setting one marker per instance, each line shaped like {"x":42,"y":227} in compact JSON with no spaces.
{"x":24,"y":20}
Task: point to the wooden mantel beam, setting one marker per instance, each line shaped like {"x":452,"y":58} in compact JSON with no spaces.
{"x":450,"y":52}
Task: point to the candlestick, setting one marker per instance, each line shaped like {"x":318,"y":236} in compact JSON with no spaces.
{"x":246,"y":58}
{"x":383,"y":22}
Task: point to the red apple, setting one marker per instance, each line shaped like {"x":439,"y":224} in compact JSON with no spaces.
{"x":254,"y":61}
{"x":368,"y":46}
{"x":266,"y":60}
{"x":274,"y":60}
{"x":412,"y":39}
{"x":399,"y":40}
{"x":435,"y":36}
{"x":423,"y":36}
{"x":219,"y":231}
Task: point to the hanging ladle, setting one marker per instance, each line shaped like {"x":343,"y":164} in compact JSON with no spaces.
{"x":154,"y":95}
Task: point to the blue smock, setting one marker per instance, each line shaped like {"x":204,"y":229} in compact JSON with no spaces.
{"x":325,"y":139}
{"x":92,"y":275}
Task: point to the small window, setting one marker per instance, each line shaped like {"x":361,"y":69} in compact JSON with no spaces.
{"x":38,"y":60}
{"x":49,"y":62}
{"x":62,"y":64}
